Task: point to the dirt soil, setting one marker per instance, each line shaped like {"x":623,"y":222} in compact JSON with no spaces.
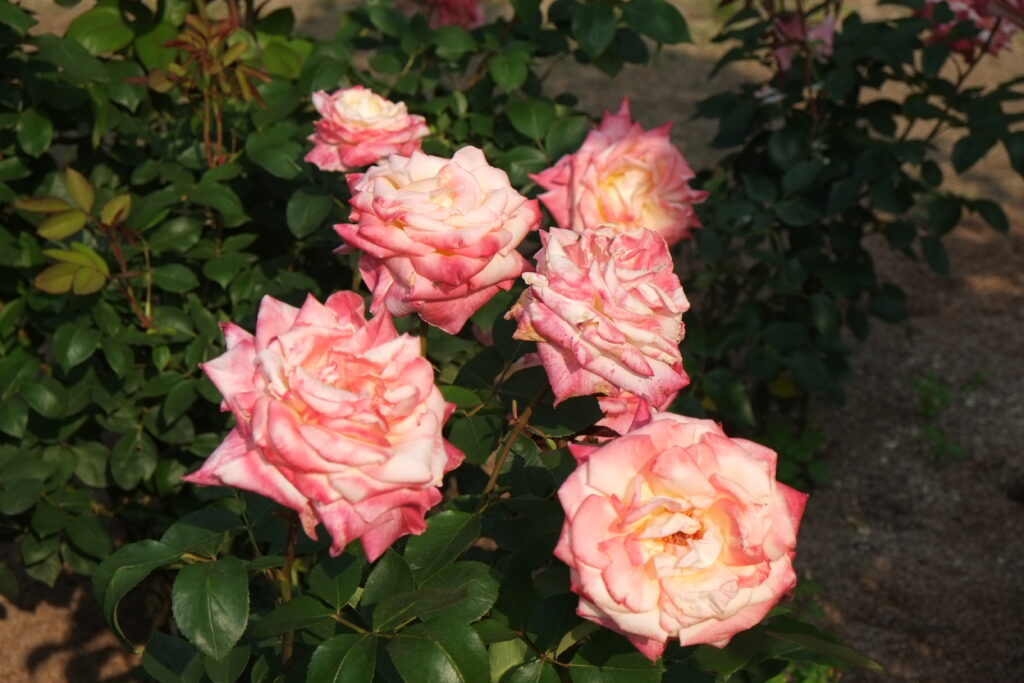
{"x":918,"y":556}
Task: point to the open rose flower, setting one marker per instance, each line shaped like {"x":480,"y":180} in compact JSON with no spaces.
{"x":359,"y":127}
{"x":678,"y":531}
{"x":995,"y":20}
{"x":439,"y":235}
{"x":606,"y":310}
{"x":337,"y":418}
{"x":625,"y":176}
{"x":463,"y":13}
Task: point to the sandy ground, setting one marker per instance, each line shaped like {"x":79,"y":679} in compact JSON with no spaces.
{"x":918,"y":557}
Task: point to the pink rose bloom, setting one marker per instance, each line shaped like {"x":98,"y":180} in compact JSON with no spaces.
{"x":464,"y":13}
{"x":625,"y":412}
{"x":1003,"y":17}
{"x":678,"y":531}
{"x":338,"y":419}
{"x":792,"y":34}
{"x":606,"y":310}
{"x":623,"y":175}
{"x":359,"y":127}
{"x":439,"y":235}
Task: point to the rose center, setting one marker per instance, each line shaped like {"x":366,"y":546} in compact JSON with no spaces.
{"x":682,"y":538}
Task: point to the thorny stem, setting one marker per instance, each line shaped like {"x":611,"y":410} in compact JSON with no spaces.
{"x":115,"y":246}
{"x":506,"y":447}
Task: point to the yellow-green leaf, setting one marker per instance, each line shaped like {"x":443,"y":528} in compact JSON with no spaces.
{"x":81,"y":189}
{"x":56,"y":279}
{"x":62,"y":225}
{"x":95,"y":258}
{"x":116,"y":209}
{"x":87,"y":281}
{"x":74,"y":257}
{"x":42,"y":205}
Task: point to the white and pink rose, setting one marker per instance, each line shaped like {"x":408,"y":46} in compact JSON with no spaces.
{"x":676,"y":531}
{"x":338,"y":418}
{"x":439,"y":236}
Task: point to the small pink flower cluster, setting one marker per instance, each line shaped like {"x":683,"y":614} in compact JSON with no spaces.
{"x":672,"y":531}
{"x":995,"y":20}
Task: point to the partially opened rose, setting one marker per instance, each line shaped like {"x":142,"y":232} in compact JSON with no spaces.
{"x":792,"y":33}
{"x":337,"y":418}
{"x":605,"y":309}
{"x":439,"y":235}
{"x":625,"y":176}
{"x":359,"y":127}
{"x":676,"y":531}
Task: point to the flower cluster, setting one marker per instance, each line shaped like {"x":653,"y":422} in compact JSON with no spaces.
{"x":995,"y":22}
{"x":673,"y":530}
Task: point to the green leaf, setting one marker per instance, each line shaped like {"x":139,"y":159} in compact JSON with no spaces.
{"x":171,"y":660}
{"x":726,"y":661}
{"x":348,"y":658}
{"x":992,"y":213}
{"x":62,"y":225}
{"x":47,"y":397}
{"x":101,"y":30}
{"x":125,"y":569}
{"x":335,"y":579}
{"x":452,"y":42}
{"x":35,"y":132}
{"x":210,"y":601}
{"x":398,"y":609}
{"x":13,"y":417}
{"x":658,"y":20}
{"x":230,"y":668}
{"x":531,"y":117}
{"x":8,"y":581}
{"x":796,"y":212}
{"x":810,"y":638}
{"x":440,"y":650}
{"x":449,"y":534}
{"x":593,"y":26}
{"x":481,"y":590}
{"x":933,"y":57}
{"x":202,"y":532}
{"x":391,"y":576}
{"x":89,"y":536}
{"x":1014,"y":144}
{"x":810,"y":372}
{"x":801,"y":176}
{"x":306,"y":211}
{"x":536,"y":671}
{"x":935,"y":254}
{"x":509,"y":69}
{"x":730,"y":396}
{"x":566,"y":135}
{"x":520,"y":162}
{"x":174,"y":277}
{"x":279,"y":59}
{"x":178,"y":235}
{"x":133,"y":459}
{"x":608,"y":658}
{"x":969,"y":150}
{"x":477,"y":435}
{"x":387,"y":19}
{"x":72,"y":57}
{"x":302,"y":612}
{"x":74,"y":344}
{"x":223,"y":198}
{"x":13,"y":16}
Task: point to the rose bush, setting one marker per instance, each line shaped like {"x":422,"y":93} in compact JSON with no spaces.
{"x":676,"y":531}
{"x":359,"y":127}
{"x":439,"y":235}
{"x":337,"y":417}
{"x":606,"y":310}
{"x":624,"y":176}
